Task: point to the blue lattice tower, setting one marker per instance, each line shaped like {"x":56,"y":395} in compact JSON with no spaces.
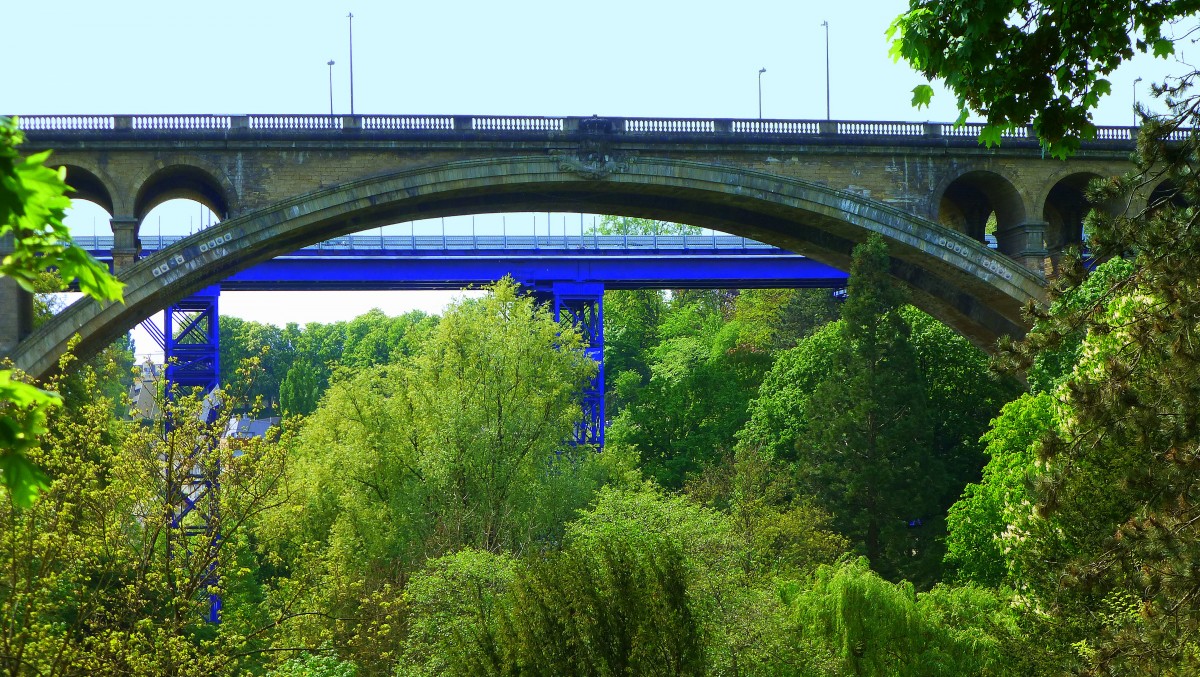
{"x":191,"y":349}
{"x":582,"y":303}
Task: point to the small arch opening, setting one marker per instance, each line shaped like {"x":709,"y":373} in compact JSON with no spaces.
{"x":173,"y":220}
{"x":180,"y":182}
{"x":88,"y":187}
{"x":982,"y":205}
{"x":1065,"y":210}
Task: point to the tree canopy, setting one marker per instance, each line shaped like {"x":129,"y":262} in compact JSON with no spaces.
{"x":1041,"y":63}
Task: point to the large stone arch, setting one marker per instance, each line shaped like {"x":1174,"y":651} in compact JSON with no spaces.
{"x":976,"y":290}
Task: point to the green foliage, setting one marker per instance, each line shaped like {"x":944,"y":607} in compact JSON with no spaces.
{"x":97,"y":579}
{"x":922,"y":95}
{"x":867,"y":454}
{"x":780,"y":415}
{"x":772,"y":320}
{"x":1109,"y":547}
{"x":1017,"y":62}
{"x":457,"y":605}
{"x":615,"y":601}
{"x":685,"y":416}
{"x":20,"y":432}
{"x":297,"y":363}
{"x":873,"y":627}
{"x":315,"y":665}
{"x":989,"y":528}
{"x":461,"y":445}
{"x":689,"y":379}
{"x":32,"y":203}
{"x":625,"y":225}
{"x":988,"y":524}
{"x":849,"y":409}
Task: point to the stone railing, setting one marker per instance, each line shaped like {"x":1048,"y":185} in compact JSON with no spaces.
{"x":524,"y":125}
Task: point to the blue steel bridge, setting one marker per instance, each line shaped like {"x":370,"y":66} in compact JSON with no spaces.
{"x":415,"y":262}
{"x":569,"y":272}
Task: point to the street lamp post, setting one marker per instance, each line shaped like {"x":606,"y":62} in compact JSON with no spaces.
{"x":350,"y":16}
{"x":826,"y":25}
{"x":760,"y":72}
{"x":330,"y":64}
{"x":1135,"y":103}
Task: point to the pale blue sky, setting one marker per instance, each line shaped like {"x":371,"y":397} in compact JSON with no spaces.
{"x":613,"y":57}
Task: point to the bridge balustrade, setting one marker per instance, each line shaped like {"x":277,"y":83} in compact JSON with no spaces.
{"x":509,"y":123}
{"x":881,"y":128}
{"x":972,"y":129}
{"x":67,"y":122}
{"x":534,"y":124}
{"x":689,"y":125}
{"x":408,"y":122}
{"x":775,"y":127}
{"x":179,"y":123}
{"x":285,"y":122}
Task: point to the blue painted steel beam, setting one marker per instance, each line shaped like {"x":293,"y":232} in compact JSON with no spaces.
{"x":369,"y":262}
{"x":664,"y":270}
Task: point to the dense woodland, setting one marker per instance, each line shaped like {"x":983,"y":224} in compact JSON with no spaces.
{"x":795,"y":482}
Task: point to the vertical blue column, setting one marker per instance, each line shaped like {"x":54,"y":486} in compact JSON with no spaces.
{"x":583,"y":304}
{"x":191,"y":350}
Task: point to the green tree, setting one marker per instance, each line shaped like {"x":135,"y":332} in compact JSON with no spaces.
{"x":685,"y":415}
{"x":867,"y":454}
{"x":653,"y":584}
{"x":627,"y":225}
{"x":868,"y":626}
{"x":98,"y":576}
{"x":1116,"y":484}
{"x":458,"y":607}
{"x":1018,"y":62}
{"x":34,"y":240}
{"x":812,"y":394}
{"x":314,"y":352}
{"x":464,"y":444}
{"x":270,"y":346}
{"x":774,"y":320}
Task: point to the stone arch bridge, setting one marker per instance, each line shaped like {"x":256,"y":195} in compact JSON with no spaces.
{"x":280,"y":182}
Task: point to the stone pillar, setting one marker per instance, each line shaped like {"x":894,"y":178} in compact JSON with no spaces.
{"x":1025,"y":243}
{"x":16,"y":308}
{"x":126,"y":245}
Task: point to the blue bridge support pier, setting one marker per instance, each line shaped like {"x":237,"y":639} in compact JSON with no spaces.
{"x":582,"y":304}
{"x":190,"y":340}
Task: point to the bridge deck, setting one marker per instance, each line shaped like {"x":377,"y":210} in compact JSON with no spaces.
{"x":372,"y":262}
